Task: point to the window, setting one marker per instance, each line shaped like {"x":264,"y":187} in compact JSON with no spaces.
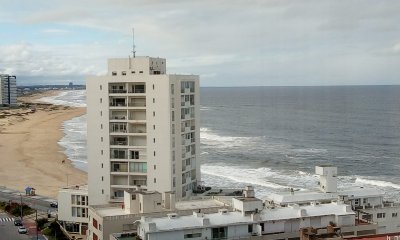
{"x":218,"y":233}
{"x":101,"y":113}
{"x":114,"y":73}
{"x":155,"y":167}
{"x":173,"y":116}
{"x":133,"y":72}
{"x":94,"y":223}
{"x":154,"y":127}
{"x":154,"y":140}
{"x":101,"y":139}
{"x":394,"y":214}
{"x":262,"y":227}
{"x":140,"y":71}
{"x":356,"y":201}
{"x":365,"y":200}
{"x":380,"y":215}
{"x":133,"y":196}
{"x":138,"y":167}
{"x":134,"y":154}
{"x":102,"y":178}
{"x":153,"y":86}
{"x":101,"y":126}
{"x":173,"y":182}
{"x":250,"y":228}
{"x":154,"y":153}
{"x":154,"y":100}
{"x":101,"y":100}
{"x":123,"y":73}
{"x":154,"y":113}
{"x":102,"y":191}
{"x":192,"y":235}
{"x":155,"y":180}
{"x":95,"y":237}
{"x":172,"y":89}
{"x":102,"y":165}
{"x":101,"y":87}
{"x":101,"y":154}
{"x":100,"y":227}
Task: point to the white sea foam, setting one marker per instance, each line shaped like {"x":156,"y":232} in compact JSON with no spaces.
{"x":74,"y":141}
{"x":241,"y":175}
{"x":73,"y":98}
{"x":377,"y":183}
{"x":262,"y":177}
{"x":209,"y":137}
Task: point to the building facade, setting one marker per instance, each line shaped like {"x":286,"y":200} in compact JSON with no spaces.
{"x":143,"y":130}
{"x":8,"y":90}
{"x":73,"y":213}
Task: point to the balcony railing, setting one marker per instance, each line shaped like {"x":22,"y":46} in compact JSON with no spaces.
{"x":117,"y":91}
{"x":137,"y":104}
{"x":117,"y":104}
{"x":118,"y":117}
{"x":121,"y":143}
{"x":137,"y":91}
{"x":119,"y":156}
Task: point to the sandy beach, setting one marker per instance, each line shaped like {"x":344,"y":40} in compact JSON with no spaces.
{"x":29,"y":151}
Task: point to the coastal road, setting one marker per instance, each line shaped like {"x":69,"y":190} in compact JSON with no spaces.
{"x":36,"y":202}
{"x":8,"y":231}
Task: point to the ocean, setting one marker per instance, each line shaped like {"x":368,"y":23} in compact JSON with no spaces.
{"x":273,"y":137}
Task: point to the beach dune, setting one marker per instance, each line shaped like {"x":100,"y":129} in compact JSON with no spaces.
{"x":30,"y":154}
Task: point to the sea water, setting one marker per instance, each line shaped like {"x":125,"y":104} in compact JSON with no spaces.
{"x":272,"y":137}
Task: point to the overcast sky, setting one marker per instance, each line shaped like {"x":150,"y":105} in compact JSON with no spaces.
{"x":228,"y":43}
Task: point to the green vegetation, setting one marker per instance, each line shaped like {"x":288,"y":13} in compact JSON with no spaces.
{"x":53,"y":232}
{"x":15,"y":208}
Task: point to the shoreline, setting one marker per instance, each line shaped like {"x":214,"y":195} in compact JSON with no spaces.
{"x":30,"y":152}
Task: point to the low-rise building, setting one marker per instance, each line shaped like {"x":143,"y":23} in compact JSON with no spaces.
{"x":73,"y":209}
{"x":107,"y":219}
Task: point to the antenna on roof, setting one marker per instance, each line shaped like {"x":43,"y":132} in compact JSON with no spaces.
{"x":133,"y":42}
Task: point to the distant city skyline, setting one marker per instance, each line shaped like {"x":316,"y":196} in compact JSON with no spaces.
{"x":228,"y":43}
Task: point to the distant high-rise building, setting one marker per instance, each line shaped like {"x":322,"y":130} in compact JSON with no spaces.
{"x":143,"y":130}
{"x":8,"y":90}
{"x":71,"y":85}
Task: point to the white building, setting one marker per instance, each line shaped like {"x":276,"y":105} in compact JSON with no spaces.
{"x":119,"y":218}
{"x":8,"y":90}
{"x":368,"y":203}
{"x":143,"y":130}
{"x":73,"y":213}
{"x":248,"y":220}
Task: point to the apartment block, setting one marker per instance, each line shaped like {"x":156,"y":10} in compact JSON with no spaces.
{"x":143,"y":130}
{"x":8,"y":90}
{"x":73,"y":213}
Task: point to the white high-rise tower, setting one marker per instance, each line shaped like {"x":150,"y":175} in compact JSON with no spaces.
{"x":143,"y":130}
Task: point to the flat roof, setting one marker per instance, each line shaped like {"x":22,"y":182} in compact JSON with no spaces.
{"x":309,"y":196}
{"x":117,"y":210}
{"x":195,"y":204}
{"x":234,"y":218}
{"x":310,"y":211}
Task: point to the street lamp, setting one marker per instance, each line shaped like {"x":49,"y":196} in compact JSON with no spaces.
{"x":20,"y":206}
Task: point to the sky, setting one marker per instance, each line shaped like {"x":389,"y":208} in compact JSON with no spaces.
{"x":226,"y":42}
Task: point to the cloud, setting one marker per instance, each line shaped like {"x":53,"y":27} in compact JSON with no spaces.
{"x":396,"y":48}
{"x":56,"y":31}
{"x":264,"y":42}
